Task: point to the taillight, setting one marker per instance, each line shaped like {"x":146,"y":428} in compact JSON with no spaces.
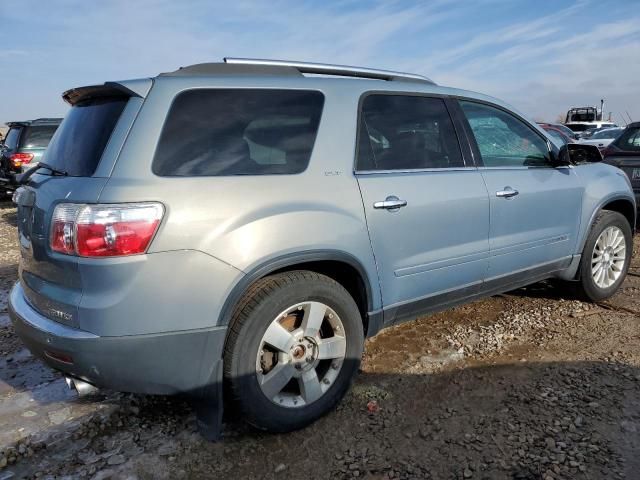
{"x":19,"y":159}
{"x":62,"y":228}
{"x":104,"y":230}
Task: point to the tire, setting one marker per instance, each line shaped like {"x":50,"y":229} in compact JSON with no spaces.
{"x":588,"y":286}
{"x":289,"y":299}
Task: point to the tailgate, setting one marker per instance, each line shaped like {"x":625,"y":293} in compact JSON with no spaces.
{"x":50,"y":280}
{"x":89,"y":137}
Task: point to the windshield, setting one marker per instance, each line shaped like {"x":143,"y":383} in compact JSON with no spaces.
{"x":608,"y":133}
{"x":582,"y":115}
{"x":38,"y":136}
{"x":629,"y":140}
{"x":78,"y":144}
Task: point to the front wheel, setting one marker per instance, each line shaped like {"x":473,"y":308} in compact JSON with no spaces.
{"x":294,"y":345}
{"x":606,"y":256}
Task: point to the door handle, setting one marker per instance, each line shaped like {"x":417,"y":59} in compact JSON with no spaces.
{"x":390,"y":203}
{"x":508,"y":192}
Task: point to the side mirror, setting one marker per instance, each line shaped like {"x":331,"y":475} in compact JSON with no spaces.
{"x":576,"y":153}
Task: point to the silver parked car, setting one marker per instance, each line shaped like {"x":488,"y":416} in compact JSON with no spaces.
{"x":251,"y":222}
{"x":603,"y":138}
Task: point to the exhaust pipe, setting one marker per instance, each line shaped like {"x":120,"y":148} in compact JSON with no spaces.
{"x":83,"y":388}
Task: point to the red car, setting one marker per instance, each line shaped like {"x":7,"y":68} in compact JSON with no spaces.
{"x":559,"y":132}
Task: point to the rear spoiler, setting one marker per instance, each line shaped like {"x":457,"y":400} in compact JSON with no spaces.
{"x":129,"y":88}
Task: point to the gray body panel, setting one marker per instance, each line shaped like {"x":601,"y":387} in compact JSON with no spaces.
{"x":453,"y":242}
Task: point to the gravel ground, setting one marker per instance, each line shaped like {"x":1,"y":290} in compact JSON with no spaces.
{"x":533,"y":384}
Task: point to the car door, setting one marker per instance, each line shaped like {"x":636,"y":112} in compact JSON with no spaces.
{"x":427,"y":210}
{"x":535,"y":208}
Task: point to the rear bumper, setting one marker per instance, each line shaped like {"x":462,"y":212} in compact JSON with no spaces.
{"x":166,"y":363}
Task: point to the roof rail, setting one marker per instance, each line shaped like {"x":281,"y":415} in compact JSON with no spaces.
{"x":327,"y":69}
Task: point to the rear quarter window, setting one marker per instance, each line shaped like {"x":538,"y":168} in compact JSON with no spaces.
{"x":11,"y":140}
{"x":238,"y":132}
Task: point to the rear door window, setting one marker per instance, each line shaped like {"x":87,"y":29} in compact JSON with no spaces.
{"x":37,"y":136}
{"x":238,"y":132}
{"x":77,"y":145}
{"x":406,"y":132}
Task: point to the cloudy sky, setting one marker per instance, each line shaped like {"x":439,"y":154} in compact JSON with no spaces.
{"x":541,"y":56}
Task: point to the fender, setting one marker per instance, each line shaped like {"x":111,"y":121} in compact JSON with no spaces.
{"x":292,"y":259}
{"x":611,"y":198}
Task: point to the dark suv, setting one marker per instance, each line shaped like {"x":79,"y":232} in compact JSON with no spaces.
{"x":24,"y":145}
{"x":624,"y":153}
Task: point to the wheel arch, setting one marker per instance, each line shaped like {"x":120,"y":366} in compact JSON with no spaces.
{"x":625,"y":207}
{"x":622,"y":204}
{"x":343,"y":267}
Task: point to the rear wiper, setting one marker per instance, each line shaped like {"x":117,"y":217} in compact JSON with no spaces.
{"x":23,"y":177}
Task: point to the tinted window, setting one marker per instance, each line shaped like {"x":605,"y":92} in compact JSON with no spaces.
{"x":38,"y":136}
{"x":583,"y":115}
{"x":629,"y":140}
{"x":11,"y":140}
{"x":79,"y":142}
{"x":400,"y":132}
{"x":504,"y":140}
{"x":238,"y":132}
{"x":579,"y":127}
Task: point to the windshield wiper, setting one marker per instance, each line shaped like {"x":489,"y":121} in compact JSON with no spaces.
{"x":23,"y":177}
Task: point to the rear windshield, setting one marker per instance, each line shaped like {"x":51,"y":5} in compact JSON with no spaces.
{"x":37,"y":136}
{"x":79,"y":142}
{"x":579,"y":127}
{"x":629,"y":140}
{"x":238,"y":132}
{"x":583,"y":117}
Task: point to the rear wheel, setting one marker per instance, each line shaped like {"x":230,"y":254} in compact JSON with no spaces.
{"x":294,"y":345}
{"x":606,"y":256}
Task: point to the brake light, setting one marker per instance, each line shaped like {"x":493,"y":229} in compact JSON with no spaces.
{"x":104,"y":230}
{"x":19,"y":159}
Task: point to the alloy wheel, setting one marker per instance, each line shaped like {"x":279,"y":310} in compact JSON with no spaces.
{"x":301,"y":354}
{"x":609,"y":254}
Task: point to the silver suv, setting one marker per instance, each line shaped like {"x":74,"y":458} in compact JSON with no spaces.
{"x":251,"y":222}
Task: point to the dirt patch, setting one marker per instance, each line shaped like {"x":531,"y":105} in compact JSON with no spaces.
{"x":530,"y":385}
